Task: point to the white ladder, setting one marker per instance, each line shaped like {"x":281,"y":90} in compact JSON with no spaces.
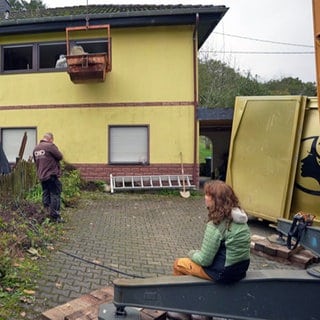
{"x":150,"y":182}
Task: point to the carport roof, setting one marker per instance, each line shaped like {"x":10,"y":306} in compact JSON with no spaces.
{"x":57,"y":19}
{"x":215,"y":114}
{"x":215,"y":119}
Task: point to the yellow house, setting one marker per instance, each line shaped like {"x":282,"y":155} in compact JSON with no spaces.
{"x":135,"y":119}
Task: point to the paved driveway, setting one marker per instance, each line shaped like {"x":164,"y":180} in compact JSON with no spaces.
{"x":136,"y":234}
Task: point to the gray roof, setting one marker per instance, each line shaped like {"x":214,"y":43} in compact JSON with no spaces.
{"x":57,"y":19}
{"x":4,"y":6}
{"x":215,"y":113}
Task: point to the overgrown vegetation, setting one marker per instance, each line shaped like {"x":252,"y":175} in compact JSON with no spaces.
{"x":26,"y":236}
{"x":26,"y":5}
{"x":205,"y":149}
{"x":219,"y":84}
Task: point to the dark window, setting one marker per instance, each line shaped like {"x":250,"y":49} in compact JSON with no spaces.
{"x":49,"y":54}
{"x":98,"y":46}
{"x":17,"y":58}
{"x":43,"y":56}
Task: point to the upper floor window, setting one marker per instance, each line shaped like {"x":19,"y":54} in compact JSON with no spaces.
{"x":49,"y":54}
{"x":35,"y":57}
{"x":17,"y":57}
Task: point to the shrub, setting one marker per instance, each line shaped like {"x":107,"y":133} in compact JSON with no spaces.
{"x":71,"y":182}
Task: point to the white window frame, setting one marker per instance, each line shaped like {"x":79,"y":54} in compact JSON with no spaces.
{"x":11,"y":139}
{"x":129,"y":144}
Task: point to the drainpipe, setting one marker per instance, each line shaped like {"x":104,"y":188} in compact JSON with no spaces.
{"x":195,"y":98}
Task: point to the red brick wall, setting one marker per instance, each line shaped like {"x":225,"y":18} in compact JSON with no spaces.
{"x":94,"y":172}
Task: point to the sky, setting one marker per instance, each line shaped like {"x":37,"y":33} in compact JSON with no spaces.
{"x":270,"y":39}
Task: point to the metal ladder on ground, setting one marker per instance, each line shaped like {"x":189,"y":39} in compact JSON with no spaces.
{"x":150,"y":182}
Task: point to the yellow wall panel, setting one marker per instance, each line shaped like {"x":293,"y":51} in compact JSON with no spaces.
{"x":148,"y":64}
{"x":82,"y":133}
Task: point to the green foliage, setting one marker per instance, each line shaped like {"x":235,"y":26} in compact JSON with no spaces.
{"x":219,"y":84}
{"x":71,"y":183}
{"x":25,"y":235}
{"x":26,"y":5}
{"x":205,"y":149}
{"x":35,"y":194}
{"x":291,"y":86}
{"x":16,"y":287}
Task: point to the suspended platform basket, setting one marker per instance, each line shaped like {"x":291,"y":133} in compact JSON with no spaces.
{"x":87,"y":67}
{"x":84,"y":67}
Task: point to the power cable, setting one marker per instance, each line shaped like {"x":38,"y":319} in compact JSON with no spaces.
{"x":262,"y":40}
{"x":100,"y":265}
{"x":258,"y":52}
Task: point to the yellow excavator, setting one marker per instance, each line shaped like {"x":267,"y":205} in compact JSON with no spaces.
{"x":270,"y":133}
{"x":316,"y":24}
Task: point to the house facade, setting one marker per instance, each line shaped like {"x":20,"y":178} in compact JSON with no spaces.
{"x":139,"y":118}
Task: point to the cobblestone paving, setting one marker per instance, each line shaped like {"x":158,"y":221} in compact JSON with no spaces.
{"x":136,"y":234}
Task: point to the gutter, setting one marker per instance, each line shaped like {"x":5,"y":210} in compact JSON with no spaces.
{"x":195,"y":99}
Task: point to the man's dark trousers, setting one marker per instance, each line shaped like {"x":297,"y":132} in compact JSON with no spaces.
{"x":51,"y":195}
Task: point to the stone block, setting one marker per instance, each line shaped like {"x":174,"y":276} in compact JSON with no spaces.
{"x":300,"y":260}
{"x":255,"y":238}
{"x":270,"y":249}
{"x":148,"y":314}
{"x":283,"y":252}
{"x":80,"y":308}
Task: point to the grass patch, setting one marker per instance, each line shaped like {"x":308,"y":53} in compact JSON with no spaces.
{"x":204,"y":151}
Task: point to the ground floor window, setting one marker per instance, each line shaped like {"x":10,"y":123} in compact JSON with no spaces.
{"x":11,"y":139}
{"x":129,"y":144}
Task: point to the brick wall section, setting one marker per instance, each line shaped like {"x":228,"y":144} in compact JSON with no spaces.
{"x":94,"y":172}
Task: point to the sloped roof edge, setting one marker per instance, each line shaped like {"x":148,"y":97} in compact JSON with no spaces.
{"x":57,"y":19}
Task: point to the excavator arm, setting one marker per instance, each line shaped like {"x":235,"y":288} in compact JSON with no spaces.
{"x":316,"y":23}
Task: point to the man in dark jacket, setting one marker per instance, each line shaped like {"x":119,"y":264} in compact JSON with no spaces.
{"x":47,"y":158}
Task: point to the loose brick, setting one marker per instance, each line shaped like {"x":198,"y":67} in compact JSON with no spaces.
{"x":104,"y":294}
{"x":53,"y":314}
{"x":300,"y":260}
{"x":270,"y":249}
{"x":283,"y":252}
{"x":148,"y":314}
{"x":91,"y":312}
{"x":308,"y":253}
{"x":255,"y":238}
{"x":261,"y":244}
{"x":80,"y":308}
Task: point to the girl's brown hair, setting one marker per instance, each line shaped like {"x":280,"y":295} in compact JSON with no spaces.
{"x":224,"y":200}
